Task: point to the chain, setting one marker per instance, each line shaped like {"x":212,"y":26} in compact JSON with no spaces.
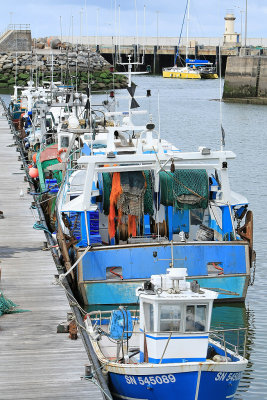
{"x":253,"y":273}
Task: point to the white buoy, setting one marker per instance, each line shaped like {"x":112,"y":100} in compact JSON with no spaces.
{"x":21,"y":194}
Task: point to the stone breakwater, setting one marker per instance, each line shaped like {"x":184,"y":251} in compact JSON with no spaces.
{"x":68,"y":67}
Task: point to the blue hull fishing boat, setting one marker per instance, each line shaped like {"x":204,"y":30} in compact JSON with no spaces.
{"x":164,"y":349}
{"x":131,"y":201}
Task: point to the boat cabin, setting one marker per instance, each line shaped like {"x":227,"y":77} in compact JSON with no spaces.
{"x":175,"y":318}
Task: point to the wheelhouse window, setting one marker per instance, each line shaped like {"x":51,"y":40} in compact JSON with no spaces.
{"x":149,"y":317}
{"x":170,"y":317}
{"x":196,"y":318}
{"x":65,"y":141}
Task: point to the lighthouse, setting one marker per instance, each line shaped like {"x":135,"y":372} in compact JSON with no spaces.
{"x":230,"y":37}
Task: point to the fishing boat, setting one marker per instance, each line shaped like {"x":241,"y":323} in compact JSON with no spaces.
{"x":164,"y":347}
{"x":133,"y":200}
{"x":193,"y":68}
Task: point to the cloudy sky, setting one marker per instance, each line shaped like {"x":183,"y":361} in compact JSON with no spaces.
{"x":162,"y":17}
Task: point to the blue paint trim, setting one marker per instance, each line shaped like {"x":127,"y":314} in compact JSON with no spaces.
{"x":171,"y":360}
{"x":174,"y":386}
{"x":139,"y":262}
{"x":174,"y":337}
{"x":121,"y":292}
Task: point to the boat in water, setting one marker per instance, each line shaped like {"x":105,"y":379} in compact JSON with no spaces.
{"x":131,"y":200}
{"x":164,"y":347}
{"x":192,"y":68}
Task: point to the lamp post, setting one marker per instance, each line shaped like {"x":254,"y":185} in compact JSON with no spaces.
{"x":241,"y":13}
{"x":81,"y":24}
{"x":157,"y":29}
{"x":246,"y":23}
{"x":11,"y":15}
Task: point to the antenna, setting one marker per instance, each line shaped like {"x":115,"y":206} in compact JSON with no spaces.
{"x":60,"y":24}
{"x":144,"y":34}
{"x":187,"y":29}
{"x":116,"y":33}
{"x":119,"y":56}
{"x":158,"y":116}
{"x":136,"y":25}
{"x":86,"y":25}
{"x":16,"y":72}
{"x":220,"y":78}
{"x":246,"y":25}
{"x":72,"y":32}
{"x":97,"y":22}
{"x":36,"y":69}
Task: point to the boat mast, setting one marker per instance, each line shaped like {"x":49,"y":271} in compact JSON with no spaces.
{"x":187,"y":29}
{"x":129,"y":85}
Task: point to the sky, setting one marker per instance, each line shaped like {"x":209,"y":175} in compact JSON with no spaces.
{"x":161,"y":18}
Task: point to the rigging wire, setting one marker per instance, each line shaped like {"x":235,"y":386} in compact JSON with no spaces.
{"x":177,"y":53}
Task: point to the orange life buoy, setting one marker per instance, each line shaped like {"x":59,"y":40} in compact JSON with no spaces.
{"x":62,"y":150}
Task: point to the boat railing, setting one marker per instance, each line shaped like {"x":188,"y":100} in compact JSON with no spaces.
{"x":19,"y":27}
{"x":100,"y":317}
{"x":238,"y":348}
{"x":238,"y":335}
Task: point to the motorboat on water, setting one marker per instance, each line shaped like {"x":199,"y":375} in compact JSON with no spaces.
{"x":164,"y":346}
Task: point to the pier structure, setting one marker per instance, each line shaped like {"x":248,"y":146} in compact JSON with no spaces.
{"x":36,"y":361}
{"x":246,"y":80}
{"x":159,"y":52}
{"x":16,"y":37}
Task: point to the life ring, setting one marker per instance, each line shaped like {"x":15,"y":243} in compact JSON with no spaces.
{"x":62,"y":150}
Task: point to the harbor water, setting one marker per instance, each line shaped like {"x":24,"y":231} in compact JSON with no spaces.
{"x":187,"y":113}
{"x":189,"y":118}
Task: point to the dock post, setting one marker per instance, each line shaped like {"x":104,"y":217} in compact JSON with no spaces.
{"x":217,"y":60}
{"x":115,"y":55}
{"x":135,"y":52}
{"x":196,"y":51}
{"x":156,"y":61}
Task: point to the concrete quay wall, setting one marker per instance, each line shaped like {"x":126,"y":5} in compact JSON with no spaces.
{"x":16,"y":40}
{"x":246,"y":78}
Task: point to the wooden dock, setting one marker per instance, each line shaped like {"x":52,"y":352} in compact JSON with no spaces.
{"x":36,"y":362}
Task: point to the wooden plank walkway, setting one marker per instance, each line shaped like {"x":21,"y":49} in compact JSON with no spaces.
{"x":35,"y":361}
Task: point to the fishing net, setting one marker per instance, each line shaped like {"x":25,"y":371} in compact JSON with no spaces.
{"x":131,"y":200}
{"x":7,"y":306}
{"x":107,"y":184}
{"x":148,"y":197}
{"x":185,"y":189}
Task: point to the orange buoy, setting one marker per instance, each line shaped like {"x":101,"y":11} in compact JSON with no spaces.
{"x":34,"y":157}
{"x":33,"y":172}
{"x":30,"y":166}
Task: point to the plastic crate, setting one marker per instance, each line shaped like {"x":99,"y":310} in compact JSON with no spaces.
{"x":75,"y":221}
{"x":51,"y":185}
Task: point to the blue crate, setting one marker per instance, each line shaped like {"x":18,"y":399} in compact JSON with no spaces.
{"x":51,"y":185}
{"x":75,"y":222}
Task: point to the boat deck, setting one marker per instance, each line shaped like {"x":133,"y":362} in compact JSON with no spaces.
{"x":36,"y":361}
